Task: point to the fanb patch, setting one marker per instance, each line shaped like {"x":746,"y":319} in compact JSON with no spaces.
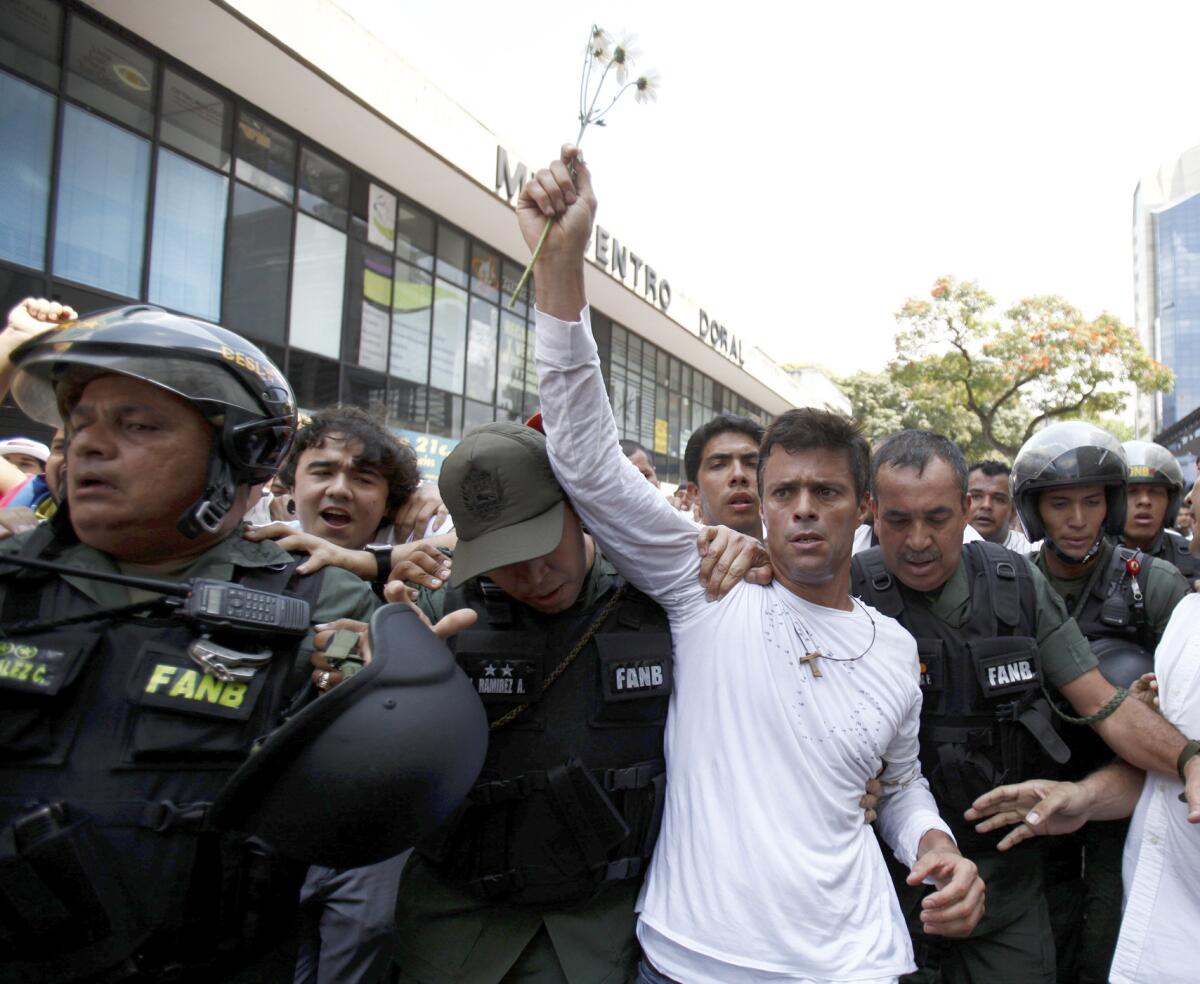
{"x":172,"y":682}
{"x":637,"y":678}
{"x":1007,"y":674}
{"x":481,"y":495}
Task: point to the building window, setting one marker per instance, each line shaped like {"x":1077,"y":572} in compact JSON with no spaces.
{"x":26,"y":142}
{"x":449,"y":336}
{"x":324,"y":188}
{"x":314,"y":380}
{"x":256,"y":276}
{"x":100,"y":224}
{"x":481,"y":350}
{"x":317,"y":284}
{"x":510,"y":380}
{"x":368,"y":307}
{"x":30,"y":36}
{"x":195,"y":121}
{"x":189,"y":236}
{"x":412,"y":309}
{"x":110,"y":76}
{"x":414,"y":236}
{"x":266,"y":156}
{"x":452,"y":256}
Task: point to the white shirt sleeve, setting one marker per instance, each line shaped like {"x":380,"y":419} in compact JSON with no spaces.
{"x":651,"y":543}
{"x":907,"y":810}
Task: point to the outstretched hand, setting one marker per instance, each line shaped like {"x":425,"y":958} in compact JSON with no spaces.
{"x":1038,"y":808}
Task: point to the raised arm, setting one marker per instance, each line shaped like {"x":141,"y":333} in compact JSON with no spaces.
{"x":651,"y":544}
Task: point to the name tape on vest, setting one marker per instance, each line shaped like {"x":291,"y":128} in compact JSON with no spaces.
{"x":37,"y":669}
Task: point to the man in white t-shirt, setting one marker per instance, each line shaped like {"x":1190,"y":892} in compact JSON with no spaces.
{"x":786,"y":698}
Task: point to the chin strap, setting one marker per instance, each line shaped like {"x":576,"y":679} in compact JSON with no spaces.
{"x":206,"y":514}
{"x":1066,"y":558}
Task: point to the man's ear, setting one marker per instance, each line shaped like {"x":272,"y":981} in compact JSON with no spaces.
{"x":874,"y":504}
{"x":693,"y":491}
{"x":864,"y":508}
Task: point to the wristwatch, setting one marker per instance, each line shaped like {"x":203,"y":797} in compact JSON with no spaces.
{"x":383,"y":560}
{"x":1190,"y":751}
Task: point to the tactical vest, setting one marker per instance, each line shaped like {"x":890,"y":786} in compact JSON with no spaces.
{"x":1173,"y":548}
{"x":984,"y":718}
{"x":1114,"y":606}
{"x":112,"y":744}
{"x":571,"y":792}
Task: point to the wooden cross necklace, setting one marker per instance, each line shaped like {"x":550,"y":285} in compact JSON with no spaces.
{"x":809,"y":659}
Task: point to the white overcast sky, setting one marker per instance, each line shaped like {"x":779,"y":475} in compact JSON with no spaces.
{"x":808,"y":166}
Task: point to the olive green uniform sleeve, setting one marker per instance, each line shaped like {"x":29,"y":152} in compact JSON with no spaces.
{"x":1063,"y":651}
{"x":1165,"y":587}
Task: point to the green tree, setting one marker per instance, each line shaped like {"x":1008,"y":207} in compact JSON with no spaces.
{"x":990,"y":382}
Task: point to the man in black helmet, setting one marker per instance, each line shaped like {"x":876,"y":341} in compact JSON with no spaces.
{"x":1155,"y":495}
{"x":120,"y":722}
{"x":1069,"y":486}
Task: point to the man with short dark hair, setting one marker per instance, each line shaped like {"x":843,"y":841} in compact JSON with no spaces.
{"x":720,"y":462}
{"x":787,"y":698}
{"x":993,"y":637}
{"x":641,"y":459}
{"x":990,"y":510}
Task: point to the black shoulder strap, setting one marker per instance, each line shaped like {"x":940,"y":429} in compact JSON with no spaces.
{"x":281,"y":578}
{"x":1003,"y":571}
{"x":874,"y":584}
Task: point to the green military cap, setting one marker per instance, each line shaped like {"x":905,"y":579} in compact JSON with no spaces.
{"x":506,"y":503}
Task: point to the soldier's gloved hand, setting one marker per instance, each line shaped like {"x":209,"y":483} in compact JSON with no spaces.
{"x":728,"y":558}
{"x":1145,"y":689}
{"x":1039,"y":808}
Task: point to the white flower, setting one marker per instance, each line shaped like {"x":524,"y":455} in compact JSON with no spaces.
{"x":599,"y":43}
{"x":646,"y":87}
{"x":624,"y":56}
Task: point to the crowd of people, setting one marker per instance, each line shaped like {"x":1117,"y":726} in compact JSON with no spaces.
{"x":825,"y":713}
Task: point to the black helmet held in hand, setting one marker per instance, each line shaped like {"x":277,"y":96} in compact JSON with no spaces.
{"x":374,"y":765}
{"x":1064,"y":455}
{"x":1152,"y":464}
{"x":226,"y":378}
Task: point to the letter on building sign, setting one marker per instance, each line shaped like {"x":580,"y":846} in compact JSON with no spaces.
{"x":512,"y":181}
{"x":703,"y":325}
{"x":602,"y":238}
{"x":637,"y":265}
{"x":651,"y":283}
{"x":664,"y":294}
{"x":619,"y":255}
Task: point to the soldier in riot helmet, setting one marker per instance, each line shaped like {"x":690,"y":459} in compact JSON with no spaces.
{"x":1069,"y":486}
{"x":120,"y":721}
{"x":995,"y":644}
{"x":1156,"y":490}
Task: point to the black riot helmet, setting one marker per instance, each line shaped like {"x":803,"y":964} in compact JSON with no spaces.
{"x":1121,"y":661}
{"x":371,"y":767}
{"x":1152,"y":464}
{"x":226,"y":378}
{"x":1064,"y":455}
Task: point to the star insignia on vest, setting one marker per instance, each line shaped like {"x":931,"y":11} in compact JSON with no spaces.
{"x":481,"y":494}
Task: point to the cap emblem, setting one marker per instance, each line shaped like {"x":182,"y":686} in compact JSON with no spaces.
{"x":481,"y":494}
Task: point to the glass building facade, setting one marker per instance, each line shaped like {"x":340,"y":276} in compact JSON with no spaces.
{"x":1177,"y":290}
{"x":125,"y":176}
